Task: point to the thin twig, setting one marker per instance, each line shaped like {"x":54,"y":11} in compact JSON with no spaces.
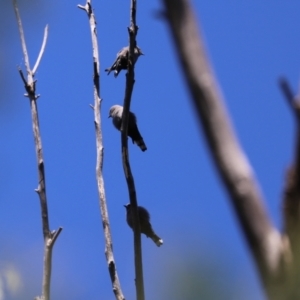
{"x":130,"y":80}
{"x":49,"y":238}
{"x":100,"y":150}
{"x":25,"y":53}
{"x":292,"y":100}
{"x":263,"y":238}
{"x":41,"y":51}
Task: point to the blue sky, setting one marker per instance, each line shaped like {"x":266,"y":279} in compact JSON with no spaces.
{"x":249,"y":44}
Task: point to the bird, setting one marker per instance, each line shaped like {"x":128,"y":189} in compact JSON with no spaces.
{"x":145,"y":225}
{"x":121,"y":62}
{"x":116,"y":112}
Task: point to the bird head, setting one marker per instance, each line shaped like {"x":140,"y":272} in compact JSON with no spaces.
{"x":113,"y":111}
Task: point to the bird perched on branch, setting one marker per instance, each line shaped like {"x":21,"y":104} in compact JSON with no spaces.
{"x":145,"y":225}
{"x":116,"y":112}
{"x":121,"y":62}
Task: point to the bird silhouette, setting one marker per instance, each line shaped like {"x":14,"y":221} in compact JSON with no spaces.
{"x":116,"y":112}
{"x":145,"y":225}
{"x":121,"y":62}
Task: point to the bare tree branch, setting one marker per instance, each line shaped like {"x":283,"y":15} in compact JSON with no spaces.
{"x":25,"y":53}
{"x":49,"y":237}
{"x":291,"y":199}
{"x":139,"y":281}
{"x":100,"y":150}
{"x":41,"y":51}
{"x":293,"y":101}
{"x":263,"y":239}
{"x":292,"y":189}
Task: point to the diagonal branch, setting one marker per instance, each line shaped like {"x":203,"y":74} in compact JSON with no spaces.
{"x":49,"y":237}
{"x":130,"y":80}
{"x":41,"y":51}
{"x":292,"y":100}
{"x":100,"y":150}
{"x":236,"y":173}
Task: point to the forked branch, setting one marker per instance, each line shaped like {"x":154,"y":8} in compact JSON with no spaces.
{"x":49,"y":237}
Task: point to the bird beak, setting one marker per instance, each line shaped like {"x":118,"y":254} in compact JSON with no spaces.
{"x":109,"y":116}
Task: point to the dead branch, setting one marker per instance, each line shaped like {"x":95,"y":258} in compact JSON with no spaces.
{"x":291,"y":199}
{"x":41,"y":51}
{"x":100,"y":150}
{"x":49,"y":237}
{"x":263,"y":238}
{"x":130,"y":80}
{"x":292,"y":189}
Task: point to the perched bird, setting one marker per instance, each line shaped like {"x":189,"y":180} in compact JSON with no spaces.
{"x":145,"y":225}
{"x":121,"y":62}
{"x":116,"y":112}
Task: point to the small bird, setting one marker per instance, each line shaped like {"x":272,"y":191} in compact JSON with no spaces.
{"x":121,"y":62}
{"x":145,"y":225}
{"x":116,"y":112}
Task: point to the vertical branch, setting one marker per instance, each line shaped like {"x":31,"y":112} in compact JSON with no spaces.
{"x":130,"y":80}
{"x":100,"y":150}
{"x":49,"y":237}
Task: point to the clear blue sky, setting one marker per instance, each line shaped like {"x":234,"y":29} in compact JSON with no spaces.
{"x":250,"y":45}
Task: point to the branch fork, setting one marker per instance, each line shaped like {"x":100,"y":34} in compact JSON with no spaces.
{"x":30,"y":87}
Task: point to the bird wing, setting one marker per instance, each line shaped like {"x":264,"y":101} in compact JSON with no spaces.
{"x":143,"y":213}
{"x":122,"y":51}
{"x":133,"y":116}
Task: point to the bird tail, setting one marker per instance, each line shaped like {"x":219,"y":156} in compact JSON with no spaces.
{"x":141,"y":144}
{"x":147,"y":229}
{"x":134,"y":133}
{"x":157,"y":240}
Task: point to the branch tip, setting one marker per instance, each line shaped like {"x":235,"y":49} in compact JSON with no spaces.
{"x":286,"y":89}
{"x":292,"y":100}
{"x":41,"y":51}
{"x":81,"y":7}
{"x":55,"y":234}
